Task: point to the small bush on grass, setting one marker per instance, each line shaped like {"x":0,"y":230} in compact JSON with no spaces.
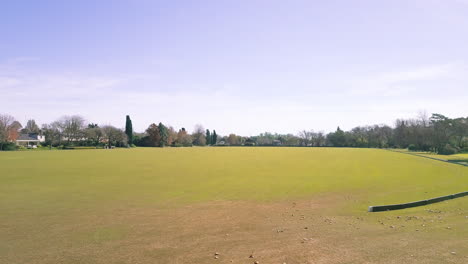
{"x":448,"y":150}
{"x":412,"y":147}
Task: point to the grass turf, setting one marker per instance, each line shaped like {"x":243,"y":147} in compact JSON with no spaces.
{"x":53,"y":190}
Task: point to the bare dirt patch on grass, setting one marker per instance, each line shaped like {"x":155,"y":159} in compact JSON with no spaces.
{"x":299,"y":231}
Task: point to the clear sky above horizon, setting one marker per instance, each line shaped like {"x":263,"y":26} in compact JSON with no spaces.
{"x":241,"y":67}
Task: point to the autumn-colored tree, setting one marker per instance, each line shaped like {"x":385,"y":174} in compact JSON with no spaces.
{"x":153,"y":135}
{"x":183,"y":138}
{"x":14,"y":131}
{"x":171,"y":136}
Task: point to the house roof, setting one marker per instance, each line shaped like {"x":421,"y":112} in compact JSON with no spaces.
{"x":29,"y":137}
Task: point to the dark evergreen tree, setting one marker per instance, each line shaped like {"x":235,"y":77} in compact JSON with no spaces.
{"x":338,"y":139}
{"x":164,"y":135}
{"x":208,"y":137}
{"x":129,"y":130}
{"x":214,"y":138}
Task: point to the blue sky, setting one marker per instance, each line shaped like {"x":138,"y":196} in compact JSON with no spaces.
{"x":235,"y":66}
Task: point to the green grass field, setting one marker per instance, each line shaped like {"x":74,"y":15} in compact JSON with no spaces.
{"x":109,"y":206}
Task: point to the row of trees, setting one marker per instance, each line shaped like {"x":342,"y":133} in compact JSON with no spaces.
{"x":161,"y":136}
{"x":72,"y":130}
{"x":75,"y":131}
{"x":64,"y":132}
{"x":437,"y":133}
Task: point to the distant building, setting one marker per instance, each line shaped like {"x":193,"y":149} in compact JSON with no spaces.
{"x":249,"y":142}
{"x":277,"y":142}
{"x":29,"y":140}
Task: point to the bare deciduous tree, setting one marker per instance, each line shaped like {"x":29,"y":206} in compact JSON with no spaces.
{"x":114,"y":136}
{"x":94,"y":134}
{"x":31,"y":127}
{"x":305,"y":137}
{"x":198,"y":136}
{"x":9,"y":128}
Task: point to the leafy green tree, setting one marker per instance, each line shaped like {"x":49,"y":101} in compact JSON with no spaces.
{"x":460,"y":131}
{"x":129,"y":130}
{"x":442,"y":130}
{"x":338,"y":139}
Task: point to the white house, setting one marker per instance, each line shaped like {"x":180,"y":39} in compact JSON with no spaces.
{"x":30,"y":140}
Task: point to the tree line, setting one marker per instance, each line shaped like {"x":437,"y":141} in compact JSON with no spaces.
{"x":436,"y":133}
{"x":70,"y":131}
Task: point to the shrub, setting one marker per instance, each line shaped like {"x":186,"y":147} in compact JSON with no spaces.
{"x":464,"y":150}
{"x":9,"y":146}
{"x":412,"y":147}
{"x":448,"y":150}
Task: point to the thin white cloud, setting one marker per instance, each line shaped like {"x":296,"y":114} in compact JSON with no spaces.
{"x":106,"y":99}
{"x":8,"y":82}
{"x":398,"y":83}
{"x":52,"y":86}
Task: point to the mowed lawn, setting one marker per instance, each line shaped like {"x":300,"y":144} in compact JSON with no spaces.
{"x":147,"y":205}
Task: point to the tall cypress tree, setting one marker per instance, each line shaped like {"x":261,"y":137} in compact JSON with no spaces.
{"x":208,"y":137}
{"x":214,"y":138}
{"x":129,"y":130}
